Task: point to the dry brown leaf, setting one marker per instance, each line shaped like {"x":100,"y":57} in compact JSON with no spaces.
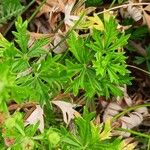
{"x":69,"y":19}
{"x":53,"y":9}
{"x":147,"y":19}
{"x":62,"y":46}
{"x":36,"y":116}
{"x":67,"y":110}
{"x":134,"y":119}
{"x":134,"y":12}
{"x":129,"y":121}
{"x":51,"y":6}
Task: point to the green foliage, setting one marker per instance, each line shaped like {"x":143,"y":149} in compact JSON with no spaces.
{"x":9,"y":9}
{"x":30,"y":75}
{"x":98,"y":66}
{"x":86,"y":136}
{"x":138,"y":33}
{"x":93,"y":2}
{"x":89,"y":136}
{"x":30,"y":72}
{"x":21,"y":136}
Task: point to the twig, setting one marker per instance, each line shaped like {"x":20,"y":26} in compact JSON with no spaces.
{"x":36,"y":11}
{"x":11,"y":24}
{"x":139,"y":69}
{"x":68,"y":33}
{"x":20,"y":106}
{"x":124,"y":5}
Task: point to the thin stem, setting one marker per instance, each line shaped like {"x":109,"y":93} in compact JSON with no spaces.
{"x":68,"y":33}
{"x":58,"y":27}
{"x":139,"y":69}
{"x":11,"y":24}
{"x":120,"y":6}
{"x":112,"y":3}
{"x":128,"y":110}
{"x":134,"y":132}
{"x":36,"y":11}
{"x":81,"y":2}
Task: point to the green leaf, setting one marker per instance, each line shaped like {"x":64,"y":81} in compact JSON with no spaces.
{"x":78,"y":48}
{"x":38,"y":48}
{"x":21,"y":35}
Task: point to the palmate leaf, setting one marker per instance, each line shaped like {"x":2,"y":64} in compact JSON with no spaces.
{"x":25,"y":53}
{"x":38,"y":48}
{"x":82,"y":77}
{"x":21,"y":35}
{"x":37,"y":79}
{"x":89,"y":136}
{"x":110,"y":32}
{"x":77,"y":47}
{"x":47,"y":77}
{"x":81,"y":74}
{"x":98,"y":67}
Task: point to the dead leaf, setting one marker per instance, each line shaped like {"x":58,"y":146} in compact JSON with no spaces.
{"x":134,"y":119}
{"x":36,"y":116}
{"x":69,"y":19}
{"x":128,"y":144}
{"x":67,"y":110}
{"x":130,"y":120}
{"x":62,"y":46}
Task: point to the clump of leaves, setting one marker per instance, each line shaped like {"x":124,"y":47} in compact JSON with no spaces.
{"x":86,"y":135}
{"x":9,"y":9}
{"x":30,"y":76}
{"x":98,"y":65}
{"x":89,"y":136}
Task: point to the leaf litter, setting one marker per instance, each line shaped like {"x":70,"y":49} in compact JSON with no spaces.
{"x":52,"y":11}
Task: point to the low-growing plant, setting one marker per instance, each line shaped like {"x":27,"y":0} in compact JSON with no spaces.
{"x":97,"y":66}
{"x":93,"y":66}
{"x":86,"y":135}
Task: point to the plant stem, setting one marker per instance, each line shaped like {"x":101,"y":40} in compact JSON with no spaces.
{"x":68,"y":33}
{"x":120,"y":6}
{"x":36,"y":11}
{"x":134,"y":132}
{"x":11,"y":24}
{"x":128,"y":110}
{"x":139,"y":69}
{"x":113,"y":2}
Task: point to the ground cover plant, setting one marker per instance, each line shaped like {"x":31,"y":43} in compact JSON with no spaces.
{"x":74,"y":74}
